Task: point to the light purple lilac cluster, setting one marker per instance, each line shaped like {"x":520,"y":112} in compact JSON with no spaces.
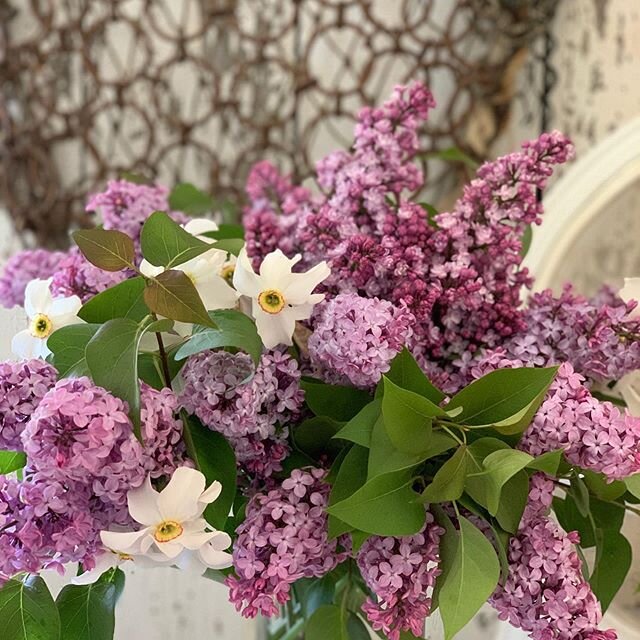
{"x":459,"y":273}
{"x":355,"y":338}
{"x":21,"y":268}
{"x":283,"y":538}
{"x":545,"y":593}
{"x":250,"y":406}
{"x":401,"y":572}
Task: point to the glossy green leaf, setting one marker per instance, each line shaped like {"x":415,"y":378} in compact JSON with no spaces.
{"x":233,"y":329}
{"x":389,"y":494}
{"x":313,"y":436}
{"x":633,"y":485}
{"x":227,"y":232}
{"x":360,"y":427}
{"x":513,"y":502}
{"x":27,"y":610}
{"x":601,"y":487}
{"x":471,"y":578}
{"x":150,"y":370}
{"x":214,"y":457}
{"x":230,"y":245}
{"x":68,"y":345}
{"x":172,"y":294}
{"x":408,"y":417}
{"x":448,"y":483}
{"x":407,"y":374}
{"x":350,"y":477}
{"x":313,"y":593}
{"x":547,"y":462}
{"x":505,"y":398}
{"x":337,"y":402}
{"x":191,"y":200}
{"x":329,"y":621}
{"x":108,"y":250}
{"x":165,"y":243}
{"x":124,"y":300}
{"x":11,"y":461}
{"x":580,"y":494}
{"x":615,"y":557}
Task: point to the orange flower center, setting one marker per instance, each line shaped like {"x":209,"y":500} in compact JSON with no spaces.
{"x":167,"y":531}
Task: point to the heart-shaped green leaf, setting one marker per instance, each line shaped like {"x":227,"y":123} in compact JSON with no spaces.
{"x":108,"y":249}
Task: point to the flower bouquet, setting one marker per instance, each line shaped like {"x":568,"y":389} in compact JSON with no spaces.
{"x":348,"y":410}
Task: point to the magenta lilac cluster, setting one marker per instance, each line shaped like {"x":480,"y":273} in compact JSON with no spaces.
{"x":283,"y":538}
{"x":545,"y":592}
{"x":401,"y":573}
{"x":251,"y":406}
{"x":355,"y":338}
{"x":21,"y":268}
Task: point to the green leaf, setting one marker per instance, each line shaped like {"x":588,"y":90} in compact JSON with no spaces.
{"x":27,"y":610}
{"x":172,"y":294}
{"x":68,"y":345}
{"x":214,"y":457}
{"x":547,"y":463}
{"x":11,"y":461}
{"x":432,"y":212}
{"x":513,"y":502}
{"x":108,"y":250}
{"x":112,"y":358}
{"x":313,"y":436}
{"x":165,"y":243}
{"x":358,"y":538}
{"x":150,"y":370}
{"x":527,"y":238}
{"x":189,"y":199}
{"x":470,"y":580}
{"x":448,"y":483}
{"x":602,"y":488}
{"x":337,"y":402}
{"x":406,"y":373}
{"x":356,"y":629}
{"x":389,"y":494}
{"x":580,"y":494}
{"x":227,"y":232}
{"x":313,"y":593}
{"x":230,"y":245}
{"x":360,"y":427}
{"x":505,"y":398}
{"x":614,"y":563}
{"x":408,"y":417}
{"x":234,"y":329}
{"x":633,"y":485}
{"x":329,"y":621}
{"x":87,"y":612}
{"x":455,"y":155}
{"x":124,"y":300}
{"x":351,"y":476}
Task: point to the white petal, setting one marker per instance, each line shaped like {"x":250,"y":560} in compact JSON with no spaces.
{"x":198,"y":226}
{"x":65,"y":307}
{"x":301,"y":311}
{"x":150,"y":270}
{"x":143,"y":504}
{"x":104,"y":562}
{"x":631,"y":291}
{"x":302,"y":284}
{"x":124,"y":541}
{"x":179,"y":499}
{"x":214,"y":558}
{"x":274,"y":328}
{"x":629,"y":389}
{"x":245,"y":280}
{"x":190,"y":561}
{"x":275,"y":270}
{"x":24,"y":345}
{"x":221,"y":541}
{"x":212,"y":493}
{"x":64,"y":320}
{"x":216,"y":294}
{"x":194,"y":540}
{"x":37,"y":297}
{"x":170,"y":549}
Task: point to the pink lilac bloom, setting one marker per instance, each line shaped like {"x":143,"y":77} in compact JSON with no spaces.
{"x":76,"y":276}
{"x":21,"y":268}
{"x":249,"y":406}
{"x":546,"y":593}
{"x":355,"y":339}
{"x":283,"y":538}
{"x":22,"y":387}
{"x":401,"y":573}
{"x":125,"y":206}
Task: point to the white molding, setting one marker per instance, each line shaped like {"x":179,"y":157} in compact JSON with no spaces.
{"x":580,"y":195}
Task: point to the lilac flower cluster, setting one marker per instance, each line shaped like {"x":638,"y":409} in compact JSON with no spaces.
{"x":76,"y":276}
{"x":545,"y":592}
{"x":400,"y":572}
{"x":251,"y":411}
{"x":23,"y":267}
{"x":22,"y":387}
{"x":283,"y":538}
{"x":355,"y":338}
{"x":125,"y":206}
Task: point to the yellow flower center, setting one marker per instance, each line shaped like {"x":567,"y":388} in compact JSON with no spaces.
{"x":124,"y":556}
{"x":167,"y":531}
{"x":40,"y":326}
{"x":271,"y":301}
{"x":227,"y":273}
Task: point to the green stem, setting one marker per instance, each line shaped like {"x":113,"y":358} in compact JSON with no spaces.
{"x":294,"y":631}
{"x":188,"y":439}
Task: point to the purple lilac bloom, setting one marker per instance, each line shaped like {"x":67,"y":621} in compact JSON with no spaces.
{"x":125,"y":206}
{"x":21,"y":268}
{"x":355,"y":339}
{"x":283,"y":538}
{"x":546,"y":593}
{"x":76,"y":276}
{"x":401,"y":572}
{"x":22,"y":387}
{"x":250,"y":411}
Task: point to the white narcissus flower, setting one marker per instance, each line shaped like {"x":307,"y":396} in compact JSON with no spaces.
{"x":629,"y":388}
{"x":199,"y":226}
{"x":173,"y":527}
{"x":108,"y":560}
{"x":45,"y":315}
{"x":631,"y":291}
{"x":279,"y":296}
